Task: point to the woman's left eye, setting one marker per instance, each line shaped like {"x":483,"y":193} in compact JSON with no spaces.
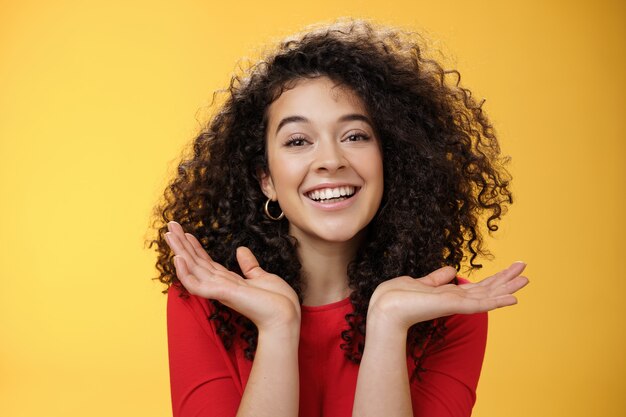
{"x":355,"y":137}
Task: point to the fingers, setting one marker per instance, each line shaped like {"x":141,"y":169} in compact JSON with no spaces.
{"x":516,"y":284}
{"x":497,"y":289}
{"x":177,"y":247}
{"x":439,"y":277}
{"x":494,"y":292}
{"x":499,"y":294}
{"x":248,"y":263}
{"x":489,"y":304}
{"x":175,"y":230}
{"x":509,"y":273}
{"x":200,"y":252}
{"x":503,"y":301}
{"x":471,"y":305}
{"x":184,"y":275}
{"x":507,"y":281}
{"x":197,"y":247}
{"x":187,"y":246}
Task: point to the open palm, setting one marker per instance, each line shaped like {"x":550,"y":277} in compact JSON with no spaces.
{"x":404,"y":301}
{"x":264,"y":298}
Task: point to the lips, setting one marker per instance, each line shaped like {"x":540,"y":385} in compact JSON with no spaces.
{"x":332,"y":194}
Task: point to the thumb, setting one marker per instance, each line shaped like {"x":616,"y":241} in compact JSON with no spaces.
{"x":248,"y":263}
{"x":439,"y":277}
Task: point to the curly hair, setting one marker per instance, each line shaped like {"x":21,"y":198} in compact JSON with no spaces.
{"x":444,"y":177}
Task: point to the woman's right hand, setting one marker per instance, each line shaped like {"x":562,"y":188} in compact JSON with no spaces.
{"x":264,"y":298}
{"x":404,"y":301}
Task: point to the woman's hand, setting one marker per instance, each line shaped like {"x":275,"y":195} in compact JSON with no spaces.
{"x":396,"y":305}
{"x":264,"y":298}
{"x":404,"y":301}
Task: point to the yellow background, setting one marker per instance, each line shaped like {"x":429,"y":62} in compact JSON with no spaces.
{"x":97,"y":99}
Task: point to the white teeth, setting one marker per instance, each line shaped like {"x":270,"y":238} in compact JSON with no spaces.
{"x":329,"y":193}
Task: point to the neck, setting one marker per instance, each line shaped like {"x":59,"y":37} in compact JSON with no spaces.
{"x":325,"y":269}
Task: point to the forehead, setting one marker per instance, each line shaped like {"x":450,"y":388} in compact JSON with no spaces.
{"x":313,"y":97}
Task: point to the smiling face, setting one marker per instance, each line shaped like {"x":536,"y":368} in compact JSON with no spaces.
{"x":325,"y":162}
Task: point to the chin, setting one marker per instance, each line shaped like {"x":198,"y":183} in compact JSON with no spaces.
{"x":333,"y":232}
{"x":341,"y":235}
{"x":338,"y":238}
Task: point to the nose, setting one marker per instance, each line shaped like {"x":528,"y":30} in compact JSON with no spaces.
{"x":329,"y":157}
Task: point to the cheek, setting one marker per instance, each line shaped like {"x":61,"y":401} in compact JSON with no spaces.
{"x":287,"y":175}
{"x":374,"y":165}
{"x":377,"y":174}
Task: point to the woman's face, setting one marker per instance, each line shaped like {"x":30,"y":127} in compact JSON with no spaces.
{"x":325,"y":162}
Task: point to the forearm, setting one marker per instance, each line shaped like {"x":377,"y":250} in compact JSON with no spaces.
{"x":383,"y":383}
{"x":273,"y":385}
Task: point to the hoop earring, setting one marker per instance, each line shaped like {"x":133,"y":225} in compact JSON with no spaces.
{"x":267,"y":211}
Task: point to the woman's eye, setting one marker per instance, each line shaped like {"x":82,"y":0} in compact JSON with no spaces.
{"x":355,"y":137}
{"x":298,"y":141}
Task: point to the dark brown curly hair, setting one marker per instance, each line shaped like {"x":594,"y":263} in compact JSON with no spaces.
{"x":444,"y":178}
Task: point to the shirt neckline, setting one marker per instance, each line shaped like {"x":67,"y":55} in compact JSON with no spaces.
{"x":325,"y":307}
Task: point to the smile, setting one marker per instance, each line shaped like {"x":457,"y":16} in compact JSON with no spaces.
{"x":332,"y":195}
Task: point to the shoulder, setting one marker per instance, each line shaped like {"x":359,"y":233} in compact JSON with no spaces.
{"x":468,"y":332}
{"x":461,"y":350}
{"x":178,"y":297}
{"x":203,"y":374}
{"x":185,"y":310}
{"x":465,"y":325}
{"x":464,"y":333}
{"x":452,"y":367}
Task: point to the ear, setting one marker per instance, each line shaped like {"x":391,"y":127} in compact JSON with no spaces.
{"x":267,"y":185}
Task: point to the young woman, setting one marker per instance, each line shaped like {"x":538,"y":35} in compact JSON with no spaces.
{"x":316,"y":232}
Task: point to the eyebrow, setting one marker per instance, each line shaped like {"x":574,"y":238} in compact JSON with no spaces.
{"x":302,"y":119}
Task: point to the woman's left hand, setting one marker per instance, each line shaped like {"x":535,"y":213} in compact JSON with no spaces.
{"x":401,"y":302}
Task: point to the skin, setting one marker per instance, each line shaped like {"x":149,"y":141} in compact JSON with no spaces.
{"x":383,"y":381}
{"x":331,"y":143}
{"x":318,"y":148}
{"x":268,"y":301}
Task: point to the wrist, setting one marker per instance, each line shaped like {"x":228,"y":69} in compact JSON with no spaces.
{"x":281,"y":322}
{"x":380,"y":319}
{"x":384,"y":333}
{"x":288,"y":333}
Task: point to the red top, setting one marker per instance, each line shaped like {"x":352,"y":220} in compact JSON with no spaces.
{"x":208,"y":381}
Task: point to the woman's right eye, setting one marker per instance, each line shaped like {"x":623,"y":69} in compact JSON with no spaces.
{"x":296,"y":141}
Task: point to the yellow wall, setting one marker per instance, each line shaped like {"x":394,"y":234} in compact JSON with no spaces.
{"x":97,"y":98}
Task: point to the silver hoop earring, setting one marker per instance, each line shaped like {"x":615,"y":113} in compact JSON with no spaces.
{"x":267,"y":211}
